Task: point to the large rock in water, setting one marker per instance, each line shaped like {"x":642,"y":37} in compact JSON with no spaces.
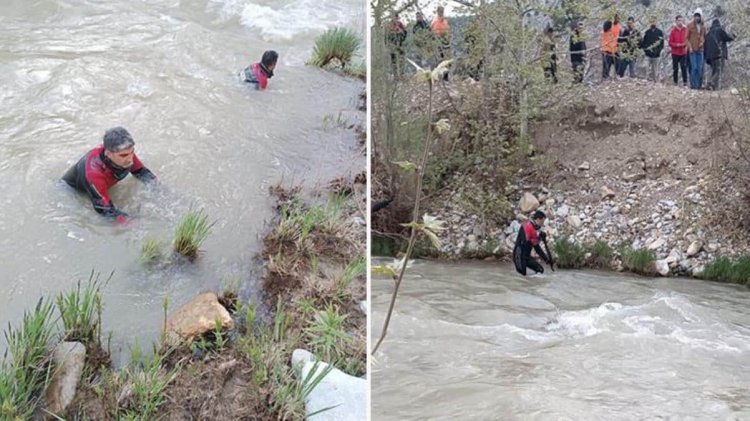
{"x":662,"y":267}
{"x":68,"y":360}
{"x":344,"y":394}
{"x":529,"y":203}
{"x":198,"y":317}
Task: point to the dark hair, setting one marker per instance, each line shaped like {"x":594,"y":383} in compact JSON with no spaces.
{"x":549,"y":30}
{"x":697,"y":14}
{"x":607,"y":26}
{"x":678,"y":17}
{"x":269,"y":58}
{"x":538,"y":215}
{"x":631,"y":19}
{"x":117,"y":139}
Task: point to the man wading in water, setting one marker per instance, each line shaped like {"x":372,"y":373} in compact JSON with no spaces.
{"x":529,"y":238}
{"x":259,"y":73}
{"x":104,"y":166}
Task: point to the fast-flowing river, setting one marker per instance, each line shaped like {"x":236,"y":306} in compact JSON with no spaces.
{"x":166,"y":71}
{"x":478,"y":341}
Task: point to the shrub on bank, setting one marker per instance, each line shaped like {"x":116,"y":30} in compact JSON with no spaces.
{"x":568,"y":254}
{"x":641,"y":261}
{"x":601,"y":255}
{"x":724,"y":269}
{"x":335,"y":44}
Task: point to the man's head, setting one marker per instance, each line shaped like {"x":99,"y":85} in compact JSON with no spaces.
{"x":652,"y":21}
{"x":617,"y":18}
{"x":549,"y":31}
{"x":579,"y":27}
{"x":440,"y":11}
{"x":420,"y":17}
{"x":607,"y":25}
{"x":119,"y":147}
{"x":631,"y":22}
{"x":269,"y":59}
{"x":538,"y":218}
{"x":697,"y":15}
{"x":680,"y":22}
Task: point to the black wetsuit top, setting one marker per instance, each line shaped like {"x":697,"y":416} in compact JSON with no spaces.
{"x":94,"y":174}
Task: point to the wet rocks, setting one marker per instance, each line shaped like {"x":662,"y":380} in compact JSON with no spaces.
{"x":68,"y":361}
{"x":345,"y":395}
{"x":198,"y":317}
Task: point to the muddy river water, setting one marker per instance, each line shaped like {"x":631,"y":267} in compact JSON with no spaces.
{"x":167,"y":71}
{"x":478,"y":341}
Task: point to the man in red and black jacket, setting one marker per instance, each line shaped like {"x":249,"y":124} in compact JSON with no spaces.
{"x":259,"y":73}
{"x":529,"y":238}
{"x":104,"y":166}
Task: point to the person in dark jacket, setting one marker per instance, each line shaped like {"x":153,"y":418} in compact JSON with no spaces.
{"x":530,"y":237}
{"x":578,"y":52}
{"x":103,"y":167}
{"x":653,"y":44}
{"x":716,"y":52}
{"x":549,"y":58}
{"x":396,"y":35}
{"x":424,"y":41}
{"x":629,"y":42}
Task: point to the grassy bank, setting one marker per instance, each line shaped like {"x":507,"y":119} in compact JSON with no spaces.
{"x":314,"y":282}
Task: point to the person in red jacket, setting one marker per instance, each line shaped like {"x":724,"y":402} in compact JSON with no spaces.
{"x":678,"y":44}
{"x":529,"y":236}
{"x":259,"y":73}
{"x":103,"y":167}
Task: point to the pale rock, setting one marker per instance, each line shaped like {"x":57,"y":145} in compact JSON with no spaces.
{"x":563,"y":211}
{"x":337,"y":397}
{"x":657,"y":244}
{"x":698,"y":271}
{"x":695,"y":248}
{"x":198,"y":317}
{"x":585,"y":166}
{"x":68,"y":361}
{"x":606,"y":192}
{"x":528,"y":203}
{"x":662,"y":267}
{"x":574,"y":221}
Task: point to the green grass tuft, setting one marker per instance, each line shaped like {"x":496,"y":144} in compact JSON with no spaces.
{"x":150,"y":250}
{"x":80,"y":311}
{"x":640,"y":261}
{"x":568,"y":254}
{"x":335,"y":44}
{"x":191,"y":232}
{"x":601,"y":255}
{"x":25,"y":375}
{"x":724,"y":269}
{"x":327,"y":336}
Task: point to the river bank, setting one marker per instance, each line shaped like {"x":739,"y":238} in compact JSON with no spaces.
{"x":626,"y":167}
{"x":219,"y":357}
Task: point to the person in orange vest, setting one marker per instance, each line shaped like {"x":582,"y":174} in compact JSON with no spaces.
{"x":609,"y":49}
{"x":442,"y":31}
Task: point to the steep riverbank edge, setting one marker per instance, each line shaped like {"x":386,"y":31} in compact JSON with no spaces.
{"x":630,"y":166}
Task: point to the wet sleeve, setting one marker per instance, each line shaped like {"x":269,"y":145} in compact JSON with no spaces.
{"x":97,"y":192}
{"x":540,"y":251}
{"x":140,"y":171}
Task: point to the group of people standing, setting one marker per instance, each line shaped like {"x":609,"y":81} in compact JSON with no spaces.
{"x":431,"y":40}
{"x":690,"y":45}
